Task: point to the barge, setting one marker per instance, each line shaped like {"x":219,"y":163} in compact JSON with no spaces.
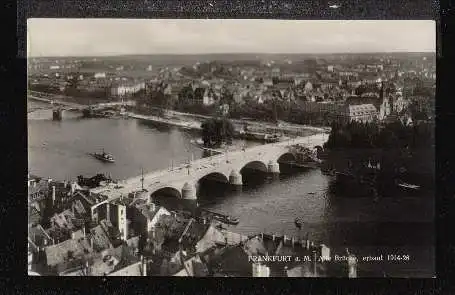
{"x":104,"y":157}
{"x":226,"y":219}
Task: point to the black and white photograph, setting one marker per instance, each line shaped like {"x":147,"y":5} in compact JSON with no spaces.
{"x":231,"y":147}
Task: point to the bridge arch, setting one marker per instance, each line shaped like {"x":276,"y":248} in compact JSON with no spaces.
{"x":168,"y":190}
{"x":215,"y":176}
{"x":210,"y":184}
{"x":254,"y":165}
{"x":286,"y":158}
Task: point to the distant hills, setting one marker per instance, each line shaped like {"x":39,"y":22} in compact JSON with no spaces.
{"x":240,"y":56}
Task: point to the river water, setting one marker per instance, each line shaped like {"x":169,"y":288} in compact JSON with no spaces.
{"x":399,"y":225}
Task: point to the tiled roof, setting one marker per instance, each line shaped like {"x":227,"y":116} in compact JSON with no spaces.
{"x":176,"y":225}
{"x":59,"y":253}
{"x":79,"y":208}
{"x":100,"y":239}
{"x":63,"y":220}
{"x":104,"y":264}
{"x":194,"y":233}
{"x":195,"y":267}
{"x":234,"y":261}
{"x":362,"y":109}
{"x":78,"y":234}
{"x":134,"y":269}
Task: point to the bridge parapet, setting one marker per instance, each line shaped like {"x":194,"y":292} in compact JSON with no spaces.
{"x":228,"y":164}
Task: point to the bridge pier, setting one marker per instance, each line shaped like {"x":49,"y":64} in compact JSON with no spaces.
{"x":273,"y":169}
{"x":189,"y":192}
{"x":235,"y":179}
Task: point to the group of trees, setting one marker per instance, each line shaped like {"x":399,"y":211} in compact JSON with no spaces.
{"x":401,"y":150}
{"x":217,"y":131}
{"x":394,"y":135}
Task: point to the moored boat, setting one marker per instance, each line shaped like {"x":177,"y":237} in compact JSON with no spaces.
{"x":221,"y":217}
{"x":227,"y":219}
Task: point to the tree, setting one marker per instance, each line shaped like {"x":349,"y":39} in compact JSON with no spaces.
{"x":216,"y":131}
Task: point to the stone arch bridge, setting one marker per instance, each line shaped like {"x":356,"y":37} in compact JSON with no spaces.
{"x":182,"y":181}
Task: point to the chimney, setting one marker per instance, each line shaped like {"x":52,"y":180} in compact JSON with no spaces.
{"x":273,"y":237}
{"x":293,"y":241}
{"x":307,"y":244}
{"x":285,"y":238}
{"x":53,"y":195}
{"x":262,"y":236}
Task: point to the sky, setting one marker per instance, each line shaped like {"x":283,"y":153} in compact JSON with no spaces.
{"x":106,"y":37}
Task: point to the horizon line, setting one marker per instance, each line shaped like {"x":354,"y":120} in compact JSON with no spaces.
{"x":234,"y":53}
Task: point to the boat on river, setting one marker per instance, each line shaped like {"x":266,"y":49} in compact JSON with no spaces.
{"x":226,"y":219}
{"x":104,"y":157}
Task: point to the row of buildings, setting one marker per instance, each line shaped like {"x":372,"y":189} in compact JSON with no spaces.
{"x":75,"y":233}
{"x":322,"y":87}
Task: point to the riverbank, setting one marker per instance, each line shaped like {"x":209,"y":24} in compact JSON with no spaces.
{"x":190,"y":125}
{"x":257,"y":126}
{"x":193,"y":121}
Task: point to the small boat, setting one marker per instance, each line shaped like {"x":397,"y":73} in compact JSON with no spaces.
{"x":311,"y":193}
{"x":226,"y":219}
{"x":105,"y":157}
{"x":407,"y":185}
{"x":298,"y":223}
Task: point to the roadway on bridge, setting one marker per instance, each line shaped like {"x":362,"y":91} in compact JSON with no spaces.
{"x":201,"y":166}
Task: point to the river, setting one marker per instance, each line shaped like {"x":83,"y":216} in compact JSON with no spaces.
{"x":401,"y":225}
